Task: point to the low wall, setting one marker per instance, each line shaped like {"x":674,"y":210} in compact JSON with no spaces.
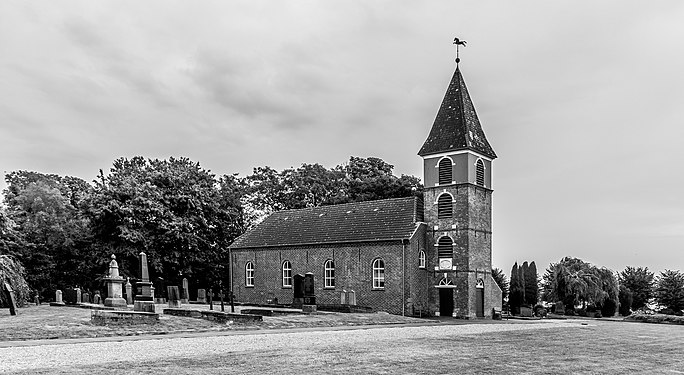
{"x":217,"y":316}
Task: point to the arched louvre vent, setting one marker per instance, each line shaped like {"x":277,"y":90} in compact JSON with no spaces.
{"x":445,"y":173}
{"x":444,"y":207}
{"x":445,"y":248}
{"x":479,"y":172}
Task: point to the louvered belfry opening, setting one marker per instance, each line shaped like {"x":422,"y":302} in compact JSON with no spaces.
{"x":445,"y":171}
{"x":479,"y":172}
{"x":445,"y":207}
{"x":445,"y":248}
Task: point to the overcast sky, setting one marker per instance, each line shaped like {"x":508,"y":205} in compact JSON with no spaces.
{"x":583,"y":101}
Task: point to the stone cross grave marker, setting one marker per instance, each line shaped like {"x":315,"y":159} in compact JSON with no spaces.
{"x":9,"y":293}
{"x":221,"y":295}
{"x":211,"y":299}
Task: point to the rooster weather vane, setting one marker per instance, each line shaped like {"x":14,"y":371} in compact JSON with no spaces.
{"x":459,"y":42}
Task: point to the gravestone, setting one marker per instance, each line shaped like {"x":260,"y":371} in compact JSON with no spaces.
{"x":298,"y":290}
{"x":36,"y":298}
{"x":97,"y":298}
{"x":309,"y":289}
{"x":9,"y":294}
{"x":174,"y":296}
{"x":185,"y":291}
{"x":201,"y":296}
{"x":221,"y":295}
{"x":58,"y":298}
{"x":78,"y":295}
{"x":560,"y":308}
{"x":210,"y":295}
{"x":144,"y":302}
{"x":85,"y":297}
{"x":70,"y":296}
{"x":114,"y":284}
{"x":129,"y":291}
{"x":343,"y":297}
{"x":351,"y":298}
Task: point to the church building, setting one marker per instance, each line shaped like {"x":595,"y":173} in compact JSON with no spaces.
{"x":405,"y":255}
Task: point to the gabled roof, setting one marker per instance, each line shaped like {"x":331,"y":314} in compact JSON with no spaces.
{"x":387,"y":219}
{"x":456,"y":126}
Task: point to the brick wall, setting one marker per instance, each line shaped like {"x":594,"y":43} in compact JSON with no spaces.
{"x":353,"y":271}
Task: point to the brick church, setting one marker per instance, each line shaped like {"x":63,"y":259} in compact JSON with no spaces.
{"x":405,"y":255}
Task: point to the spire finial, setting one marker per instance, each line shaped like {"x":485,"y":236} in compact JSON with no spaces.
{"x":459,"y":42}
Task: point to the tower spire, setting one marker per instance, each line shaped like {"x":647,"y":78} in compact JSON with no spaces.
{"x":458,"y":43}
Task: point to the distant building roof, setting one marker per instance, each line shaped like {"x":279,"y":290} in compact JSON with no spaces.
{"x":456,"y":126}
{"x":387,"y":219}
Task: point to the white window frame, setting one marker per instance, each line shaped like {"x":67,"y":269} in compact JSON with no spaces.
{"x":329,"y":273}
{"x":421,"y":259}
{"x":287,"y":274}
{"x":249,"y":274}
{"x":378,"y":274}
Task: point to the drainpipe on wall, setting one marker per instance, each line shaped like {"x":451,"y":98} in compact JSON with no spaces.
{"x":403,"y":277}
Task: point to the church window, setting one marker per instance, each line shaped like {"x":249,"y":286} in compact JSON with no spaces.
{"x":479,"y":172}
{"x":249,"y":274}
{"x":378,"y":274}
{"x":421,"y":259}
{"x":329,"y":273}
{"x":445,"y":247}
{"x":287,"y":274}
{"x":444,"y":206}
{"x":445,"y":171}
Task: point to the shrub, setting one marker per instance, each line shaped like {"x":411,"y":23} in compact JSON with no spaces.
{"x":625,"y":298}
{"x":609,"y":308}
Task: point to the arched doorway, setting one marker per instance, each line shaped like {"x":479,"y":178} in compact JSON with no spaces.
{"x":479,"y":298}
{"x":446,"y":297}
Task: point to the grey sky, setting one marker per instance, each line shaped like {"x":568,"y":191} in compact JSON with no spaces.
{"x":581,"y":100}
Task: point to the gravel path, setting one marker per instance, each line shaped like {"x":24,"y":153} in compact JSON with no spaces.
{"x":117,"y":353}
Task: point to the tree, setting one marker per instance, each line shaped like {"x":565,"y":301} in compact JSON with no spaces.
{"x":609,"y":297}
{"x":517,"y":289}
{"x":12,"y":272}
{"x":669,"y":291}
{"x":531,"y":284}
{"x":640,"y":282}
{"x":500,"y":279}
{"x":625,"y":298}
{"x":174,"y":211}
{"x":573,"y":282}
{"x":47,"y":218}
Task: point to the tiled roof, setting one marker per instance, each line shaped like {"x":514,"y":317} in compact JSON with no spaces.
{"x":456,"y":126}
{"x":387,"y":219}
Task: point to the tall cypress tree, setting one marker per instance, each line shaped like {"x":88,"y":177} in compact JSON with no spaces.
{"x":531,"y":285}
{"x":516,"y":299}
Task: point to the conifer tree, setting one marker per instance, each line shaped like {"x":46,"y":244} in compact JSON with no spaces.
{"x":531,"y":284}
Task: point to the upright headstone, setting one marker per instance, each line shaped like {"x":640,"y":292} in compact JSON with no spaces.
{"x":36,"y":298}
{"x":9,"y":294}
{"x":58,"y":297}
{"x":70,"y":296}
{"x":298,"y":290}
{"x":174,"y":296}
{"x":185,"y":292}
{"x":343,"y":297}
{"x":309,"y":289}
{"x":144,"y":301}
{"x":221,"y":295}
{"x":129,"y":291}
{"x":201,"y":296}
{"x":352,"y":298}
{"x":78,"y":295}
{"x":85,"y":297}
{"x":97,"y":298}
{"x":114,"y":286}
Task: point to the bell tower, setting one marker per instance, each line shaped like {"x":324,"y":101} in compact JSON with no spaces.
{"x":457,"y":173}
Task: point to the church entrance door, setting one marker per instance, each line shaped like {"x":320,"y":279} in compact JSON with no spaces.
{"x":446,"y":301}
{"x":479,"y":302}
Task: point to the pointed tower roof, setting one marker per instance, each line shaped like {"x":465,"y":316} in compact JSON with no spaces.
{"x":456,"y":126}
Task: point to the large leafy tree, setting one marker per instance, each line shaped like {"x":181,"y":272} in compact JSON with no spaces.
{"x":669,"y":290}
{"x":640,"y":282}
{"x":47,"y":220}
{"x":174,"y":211}
{"x":573,"y":282}
{"x":610,"y":292}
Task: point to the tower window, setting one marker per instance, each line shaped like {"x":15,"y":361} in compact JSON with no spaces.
{"x":445,"y":171}
{"x":445,"y":247}
{"x":479,"y":173}
{"x":421,"y":259}
{"x":445,"y":206}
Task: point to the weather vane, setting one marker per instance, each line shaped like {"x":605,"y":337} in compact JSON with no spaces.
{"x":458,"y":42}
